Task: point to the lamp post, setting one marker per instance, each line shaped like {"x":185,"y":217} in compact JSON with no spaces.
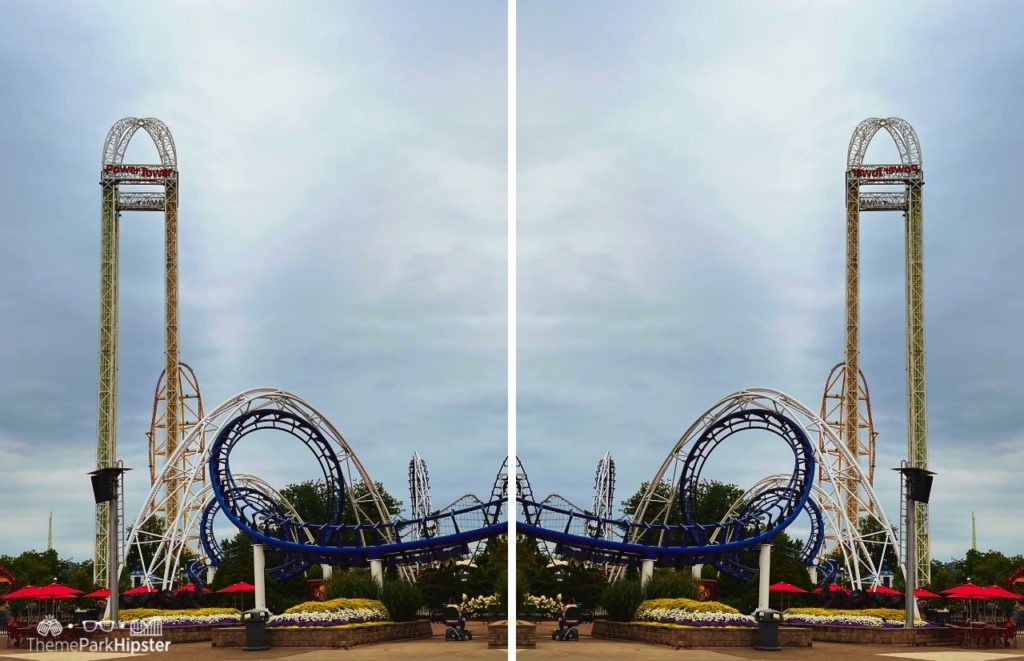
{"x":917,"y":483}
{"x":106,"y":486}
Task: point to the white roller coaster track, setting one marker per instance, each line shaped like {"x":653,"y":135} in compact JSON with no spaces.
{"x":164,"y":567}
{"x":862,"y":552}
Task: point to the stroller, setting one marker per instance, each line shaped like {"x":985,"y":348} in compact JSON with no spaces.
{"x":455,"y":624}
{"x":568,"y":624}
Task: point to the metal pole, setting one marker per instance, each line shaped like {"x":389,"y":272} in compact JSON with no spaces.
{"x":112,"y":568}
{"x":764,"y":575}
{"x":377,"y":571}
{"x":646,"y":571}
{"x":910,"y":574}
{"x":258,"y":567}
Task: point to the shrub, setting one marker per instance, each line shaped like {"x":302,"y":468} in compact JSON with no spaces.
{"x":351,"y":584}
{"x":671,"y":584}
{"x":621,"y":599}
{"x":401,"y":599}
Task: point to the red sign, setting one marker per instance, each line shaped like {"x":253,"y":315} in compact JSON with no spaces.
{"x":316,"y":590}
{"x":138,"y":171}
{"x":707,"y":589}
{"x":884,"y":170}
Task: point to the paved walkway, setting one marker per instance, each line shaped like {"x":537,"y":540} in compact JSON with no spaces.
{"x":585,"y":649}
{"x":596,"y":648}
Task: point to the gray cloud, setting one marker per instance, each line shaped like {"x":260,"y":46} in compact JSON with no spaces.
{"x":681,"y":234}
{"x":342,"y":234}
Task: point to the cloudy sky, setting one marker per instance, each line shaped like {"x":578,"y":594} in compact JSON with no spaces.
{"x":681,"y":228}
{"x":342,"y":234}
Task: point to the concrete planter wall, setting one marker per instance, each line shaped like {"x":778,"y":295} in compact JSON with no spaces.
{"x":696,"y":637}
{"x":325,"y":637}
{"x":497,"y":634}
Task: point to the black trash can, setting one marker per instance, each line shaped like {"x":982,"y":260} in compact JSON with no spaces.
{"x":255,"y":630}
{"x":768,"y":621}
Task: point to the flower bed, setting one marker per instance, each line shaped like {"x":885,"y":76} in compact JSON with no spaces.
{"x":331,"y":613}
{"x":690,"y":613}
{"x":191,"y":617}
{"x":881,"y":618}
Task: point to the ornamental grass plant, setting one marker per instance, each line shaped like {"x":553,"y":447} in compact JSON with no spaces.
{"x":621,"y":599}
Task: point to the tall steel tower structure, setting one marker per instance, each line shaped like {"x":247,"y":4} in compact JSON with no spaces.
{"x":908,"y":177}
{"x":116,"y":175}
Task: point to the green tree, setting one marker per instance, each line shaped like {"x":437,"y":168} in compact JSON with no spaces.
{"x":490,"y":575}
{"x":581,"y":581}
{"x":441,"y":582}
{"x":711,"y":502}
{"x":309,"y":499}
{"x":533,"y":576}
{"x":662,"y":492}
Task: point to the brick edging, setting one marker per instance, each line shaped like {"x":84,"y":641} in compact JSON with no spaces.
{"x":326,"y":637}
{"x":697,"y":637}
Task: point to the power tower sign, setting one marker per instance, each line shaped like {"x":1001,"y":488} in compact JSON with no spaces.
{"x":904,"y":181}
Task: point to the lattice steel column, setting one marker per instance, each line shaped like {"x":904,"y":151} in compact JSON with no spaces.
{"x":172,"y":385}
{"x":850,"y":413}
{"x":106,"y":425}
{"x":917,"y":446}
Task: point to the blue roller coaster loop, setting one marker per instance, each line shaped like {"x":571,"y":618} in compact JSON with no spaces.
{"x":687,"y":543}
{"x":335,"y":543}
{"x":733,"y":564}
{"x":291,"y":564}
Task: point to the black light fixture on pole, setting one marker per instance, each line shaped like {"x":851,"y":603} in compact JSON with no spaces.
{"x":917,"y":488}
{"x":105,"y":487}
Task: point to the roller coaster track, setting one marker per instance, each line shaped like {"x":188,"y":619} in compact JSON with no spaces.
{"x":370,"y":533}
{"x":765,"y":511}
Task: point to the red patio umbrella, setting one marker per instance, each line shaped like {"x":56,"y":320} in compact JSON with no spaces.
{"x":997,"y":592}
{"x":102,"y":593}
{"x":142,"y":589}
{"x":785,"y":588}
{"x":57,"y":591}
{"x":881,"y":589}
{"x":237,"y":587}
{"x":832,"y":587}
{"x":970,"y":592}
{"x":967,"y":591}
{"x":27,"y":592}
{"x":192,"y":587}
{"x":921,"y":593}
